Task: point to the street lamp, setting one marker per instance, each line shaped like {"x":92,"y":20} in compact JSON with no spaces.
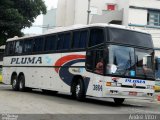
{"x":88,"y":11}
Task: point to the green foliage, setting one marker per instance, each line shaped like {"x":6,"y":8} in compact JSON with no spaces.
{"x":16,"y":15}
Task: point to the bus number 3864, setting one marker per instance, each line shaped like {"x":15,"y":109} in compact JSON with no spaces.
{"x":97,"y":87}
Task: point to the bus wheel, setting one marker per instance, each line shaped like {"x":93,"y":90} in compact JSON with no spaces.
{"x":78,"y":89}
{"x":119,"y":101}
{"x":15,"y":85}
{"x":21,"y":83}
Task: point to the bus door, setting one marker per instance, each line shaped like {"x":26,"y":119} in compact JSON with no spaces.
{"x":95,"y":65}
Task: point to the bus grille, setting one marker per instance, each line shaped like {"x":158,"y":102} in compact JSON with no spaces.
{"x":128,"y":86}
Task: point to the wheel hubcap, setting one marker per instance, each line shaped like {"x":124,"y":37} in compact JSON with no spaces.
{"x":77,"y":89}
{"x":14,"y":82}
{"x":21,"y":85}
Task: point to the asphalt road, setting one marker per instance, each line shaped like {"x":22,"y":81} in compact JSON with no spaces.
{"x":35,"y":102}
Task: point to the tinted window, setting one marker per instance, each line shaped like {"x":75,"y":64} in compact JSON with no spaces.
{"x":28,"y":46}
{"x":90,"y":59}
{"x":7,"y":48}
{"x":83,"y":39}
{"x":18,"y":47}
{"x":67,"y":39}
{"x":80,"y":39}
{"x":10,"y":48}
{"x":130,"y":37}
{"x":38,"y":44}
{"x":64,"y":41}
{"x":50,"y":43}
{"x":96,"y":37}
{"x":94,"y":61}
{"x":76,"y":38}
{"x":60,"y":42}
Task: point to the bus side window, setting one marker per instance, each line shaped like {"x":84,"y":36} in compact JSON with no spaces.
{"x":94,"y":61}
{"x":83,"y":39}
{"x":7,"y":48}
{"x":27,"y":46}
{"x":38,"y":44}
{"x":50,"y":43}
{"x":99,"y":62}
{"x":96,"y":37}
{"x":60,"y":41}
{"x":76,"y":37}
{"x":19,"y":46}
{"x":10,"y":48}
{"x":90,"y":60}
{"x":63,"y":42}
{"x":66,"y":43}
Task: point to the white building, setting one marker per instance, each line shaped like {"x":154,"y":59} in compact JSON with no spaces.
{"x":71,"y":12}
{"x":144,"y":14}
{"x":49,"y":20}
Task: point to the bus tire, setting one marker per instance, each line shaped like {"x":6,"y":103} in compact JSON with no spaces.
{"x":119,"y":101}
{"x":21,"y":80}
{"x":78,"y":89}
{"x":15,"y":83}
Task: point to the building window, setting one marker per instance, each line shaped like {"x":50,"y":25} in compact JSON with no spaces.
{"x":154,"y":18}
{"x":110,"y":7}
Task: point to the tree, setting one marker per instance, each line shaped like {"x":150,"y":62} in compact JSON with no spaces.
{"x":16,"y":15}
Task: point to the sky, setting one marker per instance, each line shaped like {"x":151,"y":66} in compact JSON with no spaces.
{"x":39,"y":20}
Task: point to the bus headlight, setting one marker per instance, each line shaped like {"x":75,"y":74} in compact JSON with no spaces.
{"x":119,"y":84}
{"x":113,"y":84}
{"x":149,"y":87}
{"x":108,"y":84}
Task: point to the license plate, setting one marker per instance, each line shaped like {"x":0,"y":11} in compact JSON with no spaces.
{"x":133,"y":93}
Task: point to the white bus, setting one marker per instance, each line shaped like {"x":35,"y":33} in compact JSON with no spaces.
{"x":2,"y":48}
{"x":157,"y":70}
{"x":96,"y":60}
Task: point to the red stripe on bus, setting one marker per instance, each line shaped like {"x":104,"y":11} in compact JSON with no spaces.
{"x":67,"y":58}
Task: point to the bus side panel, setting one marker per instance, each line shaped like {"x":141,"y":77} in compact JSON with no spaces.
{"x":7,"y":71}
{"x":73,"y":64}
{"x":49,"y":71}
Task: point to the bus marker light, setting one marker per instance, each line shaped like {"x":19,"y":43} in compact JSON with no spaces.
{"x":108,"y":84}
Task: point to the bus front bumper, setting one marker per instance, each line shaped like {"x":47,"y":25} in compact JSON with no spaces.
{"x":119,"y":92}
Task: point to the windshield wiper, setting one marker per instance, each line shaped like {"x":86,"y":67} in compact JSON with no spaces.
{"x":128,"y":63}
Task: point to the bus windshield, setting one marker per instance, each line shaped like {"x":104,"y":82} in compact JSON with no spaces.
{"x":130,"y":62}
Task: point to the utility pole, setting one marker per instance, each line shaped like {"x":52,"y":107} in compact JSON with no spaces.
{"x":88,"y":11}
